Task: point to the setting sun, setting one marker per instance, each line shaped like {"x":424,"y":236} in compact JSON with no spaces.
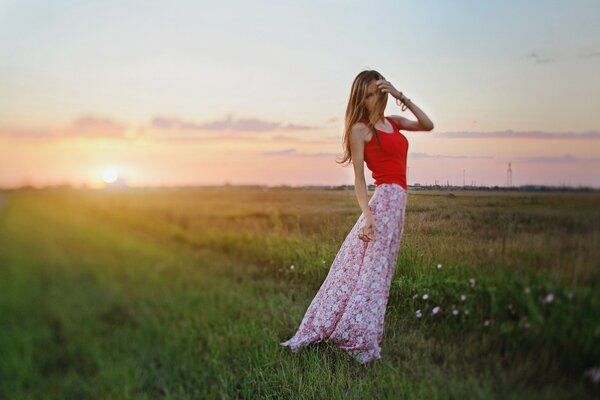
{"x":110,"y":175}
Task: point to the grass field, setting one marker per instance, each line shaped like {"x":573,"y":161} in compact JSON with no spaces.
{"x":187,"y":293}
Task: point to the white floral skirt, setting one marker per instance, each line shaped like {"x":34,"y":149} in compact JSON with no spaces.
{"x":349,"y":308}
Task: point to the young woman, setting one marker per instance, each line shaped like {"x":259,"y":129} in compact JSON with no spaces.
{"x":349,"y":308}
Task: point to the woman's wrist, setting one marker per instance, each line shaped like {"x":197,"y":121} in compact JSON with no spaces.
{"x":402,"y":101}
{"x":399,"y":95}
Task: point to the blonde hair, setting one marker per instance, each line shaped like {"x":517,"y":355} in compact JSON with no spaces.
{"x":357,"y":111}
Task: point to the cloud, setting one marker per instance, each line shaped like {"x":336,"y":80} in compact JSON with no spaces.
{"x":565,"y":158}
{"x":240,"y":138}
{"x":545,"y":60}
{"x":437,"y":156}
{"x":27,"y":133}
{"x":84,"y":126}
{"x":193,"y":138}
{"x":295,"y":153}
{"x":174,"y":124}
{"x":95,"y":126}
{"x":227,"y":124}
{"x":589,"y":135}
{"x":91,"y":126}
{"x":297,"y":127}
{"x":539,"y":60}
{"x":289,"y":139}
{"x":590,"y":54}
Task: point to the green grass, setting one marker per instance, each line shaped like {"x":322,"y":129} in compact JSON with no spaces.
{"x":187,"y":294}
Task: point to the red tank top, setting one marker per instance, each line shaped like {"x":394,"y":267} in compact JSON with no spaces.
{"x":388,"y":162}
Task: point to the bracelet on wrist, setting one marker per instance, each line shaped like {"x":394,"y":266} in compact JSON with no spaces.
{"x":403,"y":102}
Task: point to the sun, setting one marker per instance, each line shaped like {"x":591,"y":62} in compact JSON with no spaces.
{"x":110,"y":175}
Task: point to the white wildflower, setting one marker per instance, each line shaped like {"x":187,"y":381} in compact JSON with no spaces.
{"x":425,"y":296}
{"x":593,"y":374}
{"x":463,"y":297}
{"x":292,"y":266}
{"x":415,"y":296}
{"x":435,"y":310}
{"x":439,"y":266}
{"x":418,"y":314}
{"x":472,"y":281}
{"x":486,"y":322}
{"x":455,"y":311}
{"x":549,"y":298}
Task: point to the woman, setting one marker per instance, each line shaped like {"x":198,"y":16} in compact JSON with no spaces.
{"x":349,"y":308}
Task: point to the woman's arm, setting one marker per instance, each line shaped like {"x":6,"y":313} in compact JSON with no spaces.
{"x":357,"y":146}
{"x":423,"y":122}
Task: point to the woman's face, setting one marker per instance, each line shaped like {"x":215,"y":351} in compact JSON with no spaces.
{"x":372,"y":95}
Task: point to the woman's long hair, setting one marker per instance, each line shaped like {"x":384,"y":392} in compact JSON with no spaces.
{"x":357,"y":111}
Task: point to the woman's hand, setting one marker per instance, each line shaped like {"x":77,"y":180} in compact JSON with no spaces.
{"x":387,"y":87}
{"x":368,"y":230}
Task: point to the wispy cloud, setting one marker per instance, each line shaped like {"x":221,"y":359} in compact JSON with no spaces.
{"x":96,"y":127}
{"x":27,"y":133}
{"x":90,"y":126}
{"x":84,"y":126}
{"x":295,"y":153}
{"x":174,"y":129}
{"x":590,"y":54}
{"x":427,"y":155}
{"x":589,"y":135}
{"x":538,"y":59}
{"x":290,"y":139}
{"x":226,"y":124}
{"x":565,"y":158}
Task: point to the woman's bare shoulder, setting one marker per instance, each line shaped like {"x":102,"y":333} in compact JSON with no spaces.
{"x":360,"y":131}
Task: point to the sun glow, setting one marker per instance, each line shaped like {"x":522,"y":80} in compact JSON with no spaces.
{"x":110,"y":175}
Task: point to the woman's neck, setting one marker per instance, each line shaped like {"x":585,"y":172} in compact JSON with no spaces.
{"x":381,"y":121}
{"x":378,"y":120}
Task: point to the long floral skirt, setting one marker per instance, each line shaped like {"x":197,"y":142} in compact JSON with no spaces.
{"x":349,"y":308}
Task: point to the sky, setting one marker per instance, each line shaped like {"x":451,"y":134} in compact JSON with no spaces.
{"x":238,"y":92}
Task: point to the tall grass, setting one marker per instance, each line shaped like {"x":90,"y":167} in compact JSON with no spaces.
{"x":122,"y":263}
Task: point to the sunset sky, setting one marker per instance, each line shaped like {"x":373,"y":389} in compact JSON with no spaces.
{"x":194,"y":92}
